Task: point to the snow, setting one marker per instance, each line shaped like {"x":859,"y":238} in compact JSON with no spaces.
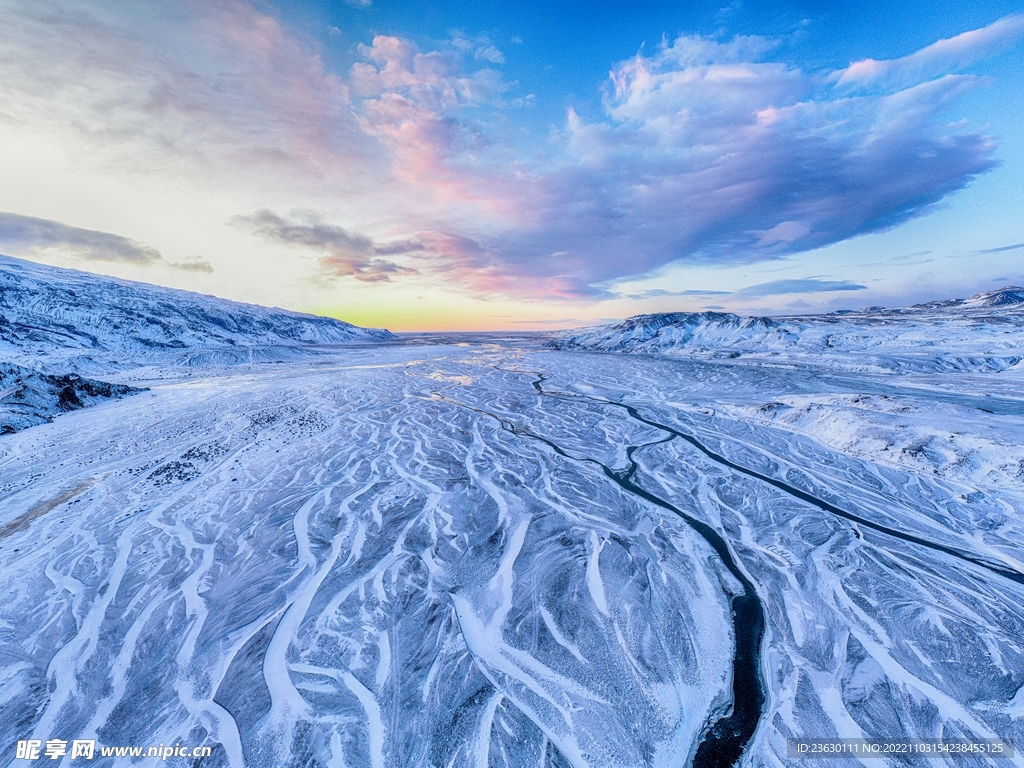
{"x":60,"y":320}
{"x":28,"y":398}
{"x":427,"y":553}
{"x":984,"y":333}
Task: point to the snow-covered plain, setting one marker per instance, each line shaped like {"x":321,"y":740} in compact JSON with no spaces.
{"x":488,"y":552}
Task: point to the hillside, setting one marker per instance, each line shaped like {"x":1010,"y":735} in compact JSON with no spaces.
{"x":59,"y":319}
{"x":984,"y":333}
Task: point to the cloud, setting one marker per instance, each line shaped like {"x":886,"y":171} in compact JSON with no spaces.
{"x":364,"y":270}
{"x":414,"y":103}
{"x":784,"y":232}
{"x":810,"y":285}
{"x":489,"y":53}
{"x":708,"y":150}
{"x":1002,"y":248}
{"x":213,"y":91}
{"x":709,"y":154}
{"x":193,"y":265}
{"x":308,"y":230}
{"x":434,"y":80}
{"x":29,"y":235}
{"x":661,"y":292}
{"x":773,"y":288}
{"x":343,"y":254}
{"x":399,"y":246}
{"x":938,"y":58}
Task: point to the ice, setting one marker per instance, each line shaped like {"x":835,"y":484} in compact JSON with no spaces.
{"x":486,"y":551}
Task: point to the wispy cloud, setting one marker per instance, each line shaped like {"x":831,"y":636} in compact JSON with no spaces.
{"x":938,"y":58}
{"x":216,"y":90}
{"x":343,"y":254}
{"x":307,"y":230}
{"x":1002,"y":248}
{"x":399,"y":247}
{"x":655,"y":293}
{"x":192,"y":265}
{"x":810,"y":285}
{"x":772,"y":288}
{"x":27,"y":235}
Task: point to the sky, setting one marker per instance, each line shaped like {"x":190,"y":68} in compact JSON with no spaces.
{"x":484,"y":165}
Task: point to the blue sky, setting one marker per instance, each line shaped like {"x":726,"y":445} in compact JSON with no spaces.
{"x":487,"y":165}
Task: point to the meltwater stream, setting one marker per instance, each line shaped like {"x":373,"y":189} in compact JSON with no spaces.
{"x":1007,"y":573}
{"x":155,"y":543}
{"x":724,"y":740}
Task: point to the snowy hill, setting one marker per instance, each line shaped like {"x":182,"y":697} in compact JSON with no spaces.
{"x":60,"y":319}
{"x":982,"y":333}
{"x":671,"y":330}
{"x":1008,"y":296}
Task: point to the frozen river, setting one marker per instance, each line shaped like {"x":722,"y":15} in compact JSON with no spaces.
{"x":490,"y":553}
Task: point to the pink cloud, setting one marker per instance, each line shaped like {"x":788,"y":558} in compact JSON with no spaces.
{"x":219,"y":88}
{"x":708,"y":153}
{"x":414,"y":103}
{"x":706,"y":150}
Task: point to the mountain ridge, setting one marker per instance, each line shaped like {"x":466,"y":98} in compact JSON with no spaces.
{"x":51,"y":313}
{"x":983,"y":333}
